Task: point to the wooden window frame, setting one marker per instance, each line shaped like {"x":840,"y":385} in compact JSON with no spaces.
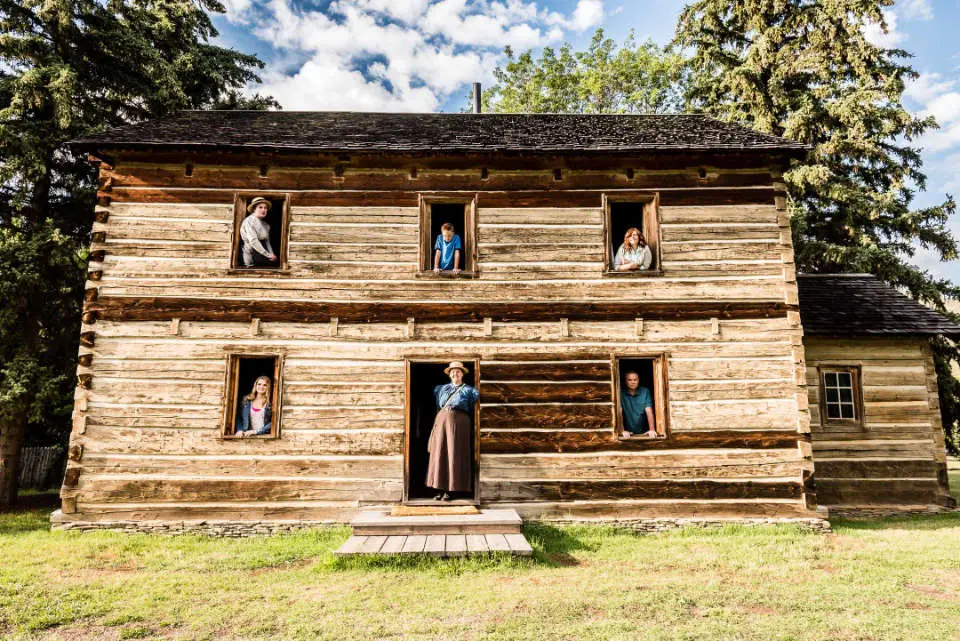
{"x":661,"y":390}
{"x":231,"y":395}
{"x":407,"y":427}
{"x":470,"y":254}
{"x":652,"y":232}
{"x":240,"y":200}
{"x":857,"y":381}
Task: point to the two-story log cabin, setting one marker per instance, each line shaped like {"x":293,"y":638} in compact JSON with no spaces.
{"x":352,"y":327}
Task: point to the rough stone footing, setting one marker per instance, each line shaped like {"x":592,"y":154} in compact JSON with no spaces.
{"x":237,"y":529}
{"x":884,"y":511}
{"x":652,"y":526}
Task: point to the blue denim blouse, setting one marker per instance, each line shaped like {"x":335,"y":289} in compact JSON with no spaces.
{"x":466,"y":396}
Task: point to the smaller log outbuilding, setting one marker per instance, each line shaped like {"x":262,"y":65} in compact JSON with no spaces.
{"x":878,"y":440}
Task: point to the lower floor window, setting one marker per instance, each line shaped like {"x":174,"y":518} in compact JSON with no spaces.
{"x":640,"y":399}
{"x":253,"y":396}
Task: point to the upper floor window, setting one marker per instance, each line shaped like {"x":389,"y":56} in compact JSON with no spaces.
{"x":632,"y":234}
{"x":840,"y":395}
{"x":260,"y":232}
{"x":448,"y":235}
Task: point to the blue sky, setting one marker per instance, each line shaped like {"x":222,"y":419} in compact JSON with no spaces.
{"x":421,"y":55}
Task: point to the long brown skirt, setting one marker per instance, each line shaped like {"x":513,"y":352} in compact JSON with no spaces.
{"x":451,"y":466}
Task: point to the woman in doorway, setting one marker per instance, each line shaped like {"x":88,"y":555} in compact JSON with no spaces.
{"x":634,"y":254}
{"x":450,"y":470}
{"x":255,"y":415}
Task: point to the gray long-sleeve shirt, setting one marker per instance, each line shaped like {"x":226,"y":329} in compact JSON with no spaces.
{"x":255,"y":234}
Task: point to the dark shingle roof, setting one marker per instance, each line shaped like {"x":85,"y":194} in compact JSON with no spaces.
{"x":437,"y":132}
{"x":862,"y":304}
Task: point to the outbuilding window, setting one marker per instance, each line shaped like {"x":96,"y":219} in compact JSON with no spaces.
{"x":251,"y":380}
{"x":254,"y":237}
{"x":840,"y":395}
{"x":626,"y":216}
{"x":437,"y":212}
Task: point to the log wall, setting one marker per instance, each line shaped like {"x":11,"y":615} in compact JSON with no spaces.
{"x":163,"y":310}
{"x":146,"y":441}
{"x":896,"y":456}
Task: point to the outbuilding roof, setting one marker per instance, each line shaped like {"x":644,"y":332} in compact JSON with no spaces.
{"x":862,"y":304}
{"x":339,"y":131}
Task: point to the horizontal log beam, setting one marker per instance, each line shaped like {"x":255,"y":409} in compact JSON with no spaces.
{"x":122,"y":308}
{"x":529,"y":441}
{"x":763,"y":195}
{"x":620,"y":489}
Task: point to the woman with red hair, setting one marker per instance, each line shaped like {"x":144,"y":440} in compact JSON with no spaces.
{"x":634,"y":254}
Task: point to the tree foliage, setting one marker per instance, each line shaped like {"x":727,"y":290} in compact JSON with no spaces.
{"x":803,"y":69}
{"x":606,"y":78}
{"x":69,"y":68}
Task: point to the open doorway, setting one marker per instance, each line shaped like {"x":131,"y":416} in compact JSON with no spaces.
{"x":422,"y":378}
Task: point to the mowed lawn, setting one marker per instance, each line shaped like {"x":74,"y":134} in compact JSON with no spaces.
{"x":889,"y":579}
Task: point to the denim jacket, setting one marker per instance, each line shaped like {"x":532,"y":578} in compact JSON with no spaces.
{"x":243,"y":418}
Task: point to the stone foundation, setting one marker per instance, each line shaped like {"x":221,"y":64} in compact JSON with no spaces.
{"x":237,"y":529}
{"x":885,"y":511}
{"x":652,"y":526}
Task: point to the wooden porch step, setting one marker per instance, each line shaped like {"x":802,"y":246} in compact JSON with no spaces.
{"x":382,"y":523}
{"x":443,"y":545}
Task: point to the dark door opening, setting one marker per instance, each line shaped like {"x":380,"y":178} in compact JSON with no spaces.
{"x":422,"y":410}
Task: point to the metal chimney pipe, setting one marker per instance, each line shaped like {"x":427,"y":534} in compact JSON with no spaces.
{"x":476,"y":97}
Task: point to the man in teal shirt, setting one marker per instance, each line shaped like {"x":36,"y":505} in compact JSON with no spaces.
{"x":636,"y":404}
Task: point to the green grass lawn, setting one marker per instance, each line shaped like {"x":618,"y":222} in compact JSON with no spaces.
{"x":891,"y":579}
{"x":953,"y":473}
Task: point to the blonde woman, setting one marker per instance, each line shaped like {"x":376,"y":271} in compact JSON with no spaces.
{"x":255,"y":415}
{"x":634,"y":254}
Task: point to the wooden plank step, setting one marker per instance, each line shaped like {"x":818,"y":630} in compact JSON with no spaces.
{"x":382,"y":523}
{"x":442,"y":545}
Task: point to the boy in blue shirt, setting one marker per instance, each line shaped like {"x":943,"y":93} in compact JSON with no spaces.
{"x":448,"y":250}
{"x":636,"y":404}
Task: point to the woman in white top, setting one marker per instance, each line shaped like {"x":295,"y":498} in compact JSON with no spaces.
{"x":634,"y":254}
{"x":255,"y":235}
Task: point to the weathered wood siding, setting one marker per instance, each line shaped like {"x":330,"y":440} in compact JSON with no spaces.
{"x":146,"y":436}
{"x":146,"y":440}
{"x":897,"y":456}
{"x":356,"y":238}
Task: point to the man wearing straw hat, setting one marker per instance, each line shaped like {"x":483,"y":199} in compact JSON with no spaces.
{"x":450,"y":470}
{"x":255,"y":235}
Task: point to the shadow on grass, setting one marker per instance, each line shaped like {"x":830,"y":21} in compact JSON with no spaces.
{"x":917,"y":522}
{"x":24,"y":521}
{"x":552,"y":547}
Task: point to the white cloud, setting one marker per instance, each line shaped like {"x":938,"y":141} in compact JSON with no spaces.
{"x":927,"y":86}
{"x":396,"y":55}
{"x":916,"y":10}
{"x":589,"y":13}
{"x":888,"y":39}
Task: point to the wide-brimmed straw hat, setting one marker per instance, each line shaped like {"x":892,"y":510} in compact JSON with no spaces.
{"x":256,"y":201}
{"x":456,"y":365}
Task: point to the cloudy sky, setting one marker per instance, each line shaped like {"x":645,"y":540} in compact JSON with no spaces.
{"x":421,"y":55}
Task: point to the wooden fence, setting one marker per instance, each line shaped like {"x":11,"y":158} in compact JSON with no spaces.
{"x":41,"y":467}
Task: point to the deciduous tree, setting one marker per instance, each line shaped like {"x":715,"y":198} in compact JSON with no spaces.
{"x":605,"y":78}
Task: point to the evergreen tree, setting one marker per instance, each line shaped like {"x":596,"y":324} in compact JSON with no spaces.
{"x":69,"y":68}
{"x":803,"y":69}
{"x":606,"y":78}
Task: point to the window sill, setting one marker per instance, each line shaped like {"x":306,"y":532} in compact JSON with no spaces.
{"x":639,"y":273}
{"x":259,"y":270}
{"x":446,"y":275}
{"x":255,"y":437}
